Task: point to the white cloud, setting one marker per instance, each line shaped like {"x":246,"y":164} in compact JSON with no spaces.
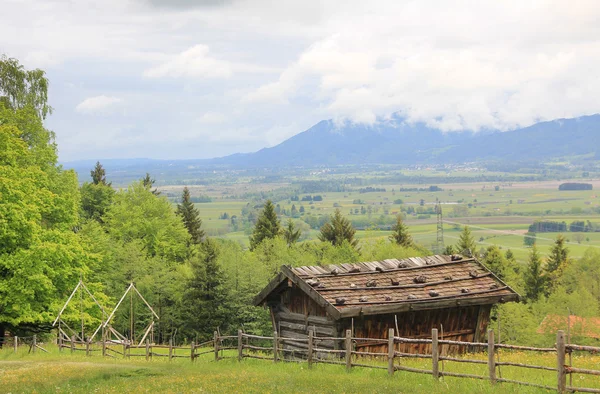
{"x":98,"y":104}
{"x":258,"y":70}
{"x":195,"y":62}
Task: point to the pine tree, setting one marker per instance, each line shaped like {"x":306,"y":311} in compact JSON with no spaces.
{"x":99,"y":175}
{"x":338,"y":230}
{"x":400,"y":234}
{"x":495,"y":261}
{"x":191,"y":217}
{"x":290,"y":233}
{"x":556,"y":262}
{"x":267,"y":225}
{"x":207,"y":298}
{"x":466,"y":243}
{"x":534,"y":281}
{"x":148,"y":182}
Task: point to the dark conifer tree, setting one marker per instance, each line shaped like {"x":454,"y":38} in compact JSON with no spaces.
{"x":556,"y":263}
{"x":290,"y":233}
{"x":191,"y":217}
{"x":338,"y":230}
{"x":267,"y":225}
{"x":466,"y":243}
{"x":207,"y":299}
{"x":99,"y":175}
{"x":534,"y":280}
{"x":400,"y":234}
{"x":148,"y":182}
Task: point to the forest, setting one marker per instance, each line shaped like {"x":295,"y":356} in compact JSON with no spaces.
{"x":55,"y":230}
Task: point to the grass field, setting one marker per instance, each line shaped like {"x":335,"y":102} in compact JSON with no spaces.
{"x":66,"y":373}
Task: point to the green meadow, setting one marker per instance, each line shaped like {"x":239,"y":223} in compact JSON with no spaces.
{"x":67,"y":373}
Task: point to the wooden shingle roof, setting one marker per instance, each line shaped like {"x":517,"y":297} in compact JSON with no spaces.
{"x":391,"y":286}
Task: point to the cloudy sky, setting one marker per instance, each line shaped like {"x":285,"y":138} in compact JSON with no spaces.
{"x":205,"y":78}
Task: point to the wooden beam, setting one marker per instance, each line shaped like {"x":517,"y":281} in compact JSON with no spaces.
{"x":411,"y":286}
{"x":419,"y":267}
{"x":427,"y":305}
{"x":312,"y":293}
{"x":66,"y":303}
{"x":259,"y":299}
{"x":433,"y":299}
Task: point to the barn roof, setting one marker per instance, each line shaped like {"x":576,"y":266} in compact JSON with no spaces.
{"x":393,"y":286}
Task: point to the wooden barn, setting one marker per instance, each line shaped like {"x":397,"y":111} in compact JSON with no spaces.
{"x":451,"y":293}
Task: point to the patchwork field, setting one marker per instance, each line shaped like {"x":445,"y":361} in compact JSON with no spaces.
{"x":498,"y":213}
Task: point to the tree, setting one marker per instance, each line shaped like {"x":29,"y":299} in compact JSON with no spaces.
{"x":148,"y":182}
{"x":534,"y":281}
{"x":20,"y":88}
{"x":206,"y":299}
{"x":41,"y":258}
{"x":267,"y":225}
{"x":466,"y":243}
{"x":95,"y":200}
{"x":400,"y":234}
{"x":290,"y":233}
{"x":99,"y":175}
{"x":495,"y":261}
{"x":529,"y":239}
{"x":338,"y":230}
{"x":556,"y":262}
{"x":190,"y":216}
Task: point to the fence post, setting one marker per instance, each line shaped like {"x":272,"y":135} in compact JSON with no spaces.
{"x":34,"y":343}
{"x":170,"y":349}
{"x":124,"y":349}
{"x":348,"y":350}
{"x":275,"y":346}
{"x":73,"y":344}
{"x":391,"y":351}
{"x":147,"y":349}
{"x":240,"y":346}
{"x":60,"y":342}
{"x":216,"y":346}
{"x":309,"y":357}
{"x":87,"y":347}
{"x":16,"y":343}
{"x":491,"y":359}
{"x":435,"y":354}
{"x":560,"y":361}
{"x":193,"y":351}
{"x":103,"y":346}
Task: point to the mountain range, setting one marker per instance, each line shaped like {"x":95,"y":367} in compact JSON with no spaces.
{"x":399,"y":142}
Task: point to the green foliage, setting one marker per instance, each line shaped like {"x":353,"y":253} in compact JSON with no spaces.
{"x":206,"y":298}
{"x":400,"y":233}
{"x":534,"y":281}
{"x":148,"y":182}
{"x":95,"y":200}
{"x":338,"y":230}
{"x":466,"y":243}
{"x":189,"y":214}
{"x":556,"y":262}
{"x":290,"y":233}
{"x":98,"y":175}
{"x":267,"y":225}
{"x":41,"y":257}
{"x":137,"y":214}
{"x":20,"y":88}
{"x":494,"y":261}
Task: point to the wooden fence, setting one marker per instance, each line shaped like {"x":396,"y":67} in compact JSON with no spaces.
{"x":273,"y":348}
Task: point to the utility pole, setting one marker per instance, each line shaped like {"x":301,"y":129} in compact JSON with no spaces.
{"x":440,"y":229}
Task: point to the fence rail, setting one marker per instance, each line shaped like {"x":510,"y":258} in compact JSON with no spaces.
{"x":307,"y":350}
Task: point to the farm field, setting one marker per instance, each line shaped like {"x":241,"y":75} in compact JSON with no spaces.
{"x":498,"y":213}
{"x":66,"y":373}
